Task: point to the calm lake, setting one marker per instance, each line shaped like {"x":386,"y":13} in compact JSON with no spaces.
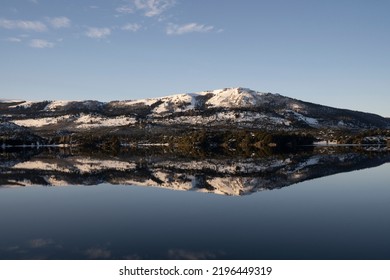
{"x":313,"y":206}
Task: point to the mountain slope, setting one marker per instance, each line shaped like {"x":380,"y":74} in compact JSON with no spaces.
{"x":229,"y":107}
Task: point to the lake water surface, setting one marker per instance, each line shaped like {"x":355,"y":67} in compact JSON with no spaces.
{"x":341,"y":216}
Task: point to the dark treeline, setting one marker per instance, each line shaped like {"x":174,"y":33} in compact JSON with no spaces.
{"x":192,"y":141}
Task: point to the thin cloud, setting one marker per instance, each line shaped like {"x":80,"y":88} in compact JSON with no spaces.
{"x":41,"y":44}
{"x":153,"y":8}
{"x":98,"y":33}
{"x":27,"y":25}
{"x":125,"y":10}
{"x":174,"y":29}
{"x":13,"y":40}
{"x":133,"y":27}
{"x":59,"y":22}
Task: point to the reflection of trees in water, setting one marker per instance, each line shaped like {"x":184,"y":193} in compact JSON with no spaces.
{"x":212,"y":172}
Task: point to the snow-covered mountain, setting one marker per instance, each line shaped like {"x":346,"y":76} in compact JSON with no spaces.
{"x":228,"y":107}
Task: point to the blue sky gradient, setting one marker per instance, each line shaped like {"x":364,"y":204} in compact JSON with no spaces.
{"x":335,"y":53}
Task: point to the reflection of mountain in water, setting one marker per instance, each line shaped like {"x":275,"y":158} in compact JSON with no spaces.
{"x":220,"y":175}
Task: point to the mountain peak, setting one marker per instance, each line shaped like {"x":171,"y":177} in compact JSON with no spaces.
{"x":236,"y":90}
{"x":234,"y":97}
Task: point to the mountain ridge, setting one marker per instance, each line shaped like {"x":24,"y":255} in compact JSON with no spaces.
{"x":225,"y":97}
{"x":222,"y":109}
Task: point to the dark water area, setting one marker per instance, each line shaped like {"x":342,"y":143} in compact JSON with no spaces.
{"x":322,"y":204}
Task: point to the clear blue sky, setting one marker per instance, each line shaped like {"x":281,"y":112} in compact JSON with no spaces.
{"x":333,"y":52}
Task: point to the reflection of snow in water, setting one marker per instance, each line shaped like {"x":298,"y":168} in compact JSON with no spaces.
{"x":219,"y":176}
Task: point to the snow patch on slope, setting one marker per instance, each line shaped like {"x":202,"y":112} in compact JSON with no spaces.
{"x":42,"y":121}
{"x":310,"y":121}
{"x":53,"y":105}
{"x":92,"y":121}
{"x":25,"y":104}
{"x":147,"y":102}
{"x":82,"y":121}
{"x":177,"y":103}
{"x":233,"y":97}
